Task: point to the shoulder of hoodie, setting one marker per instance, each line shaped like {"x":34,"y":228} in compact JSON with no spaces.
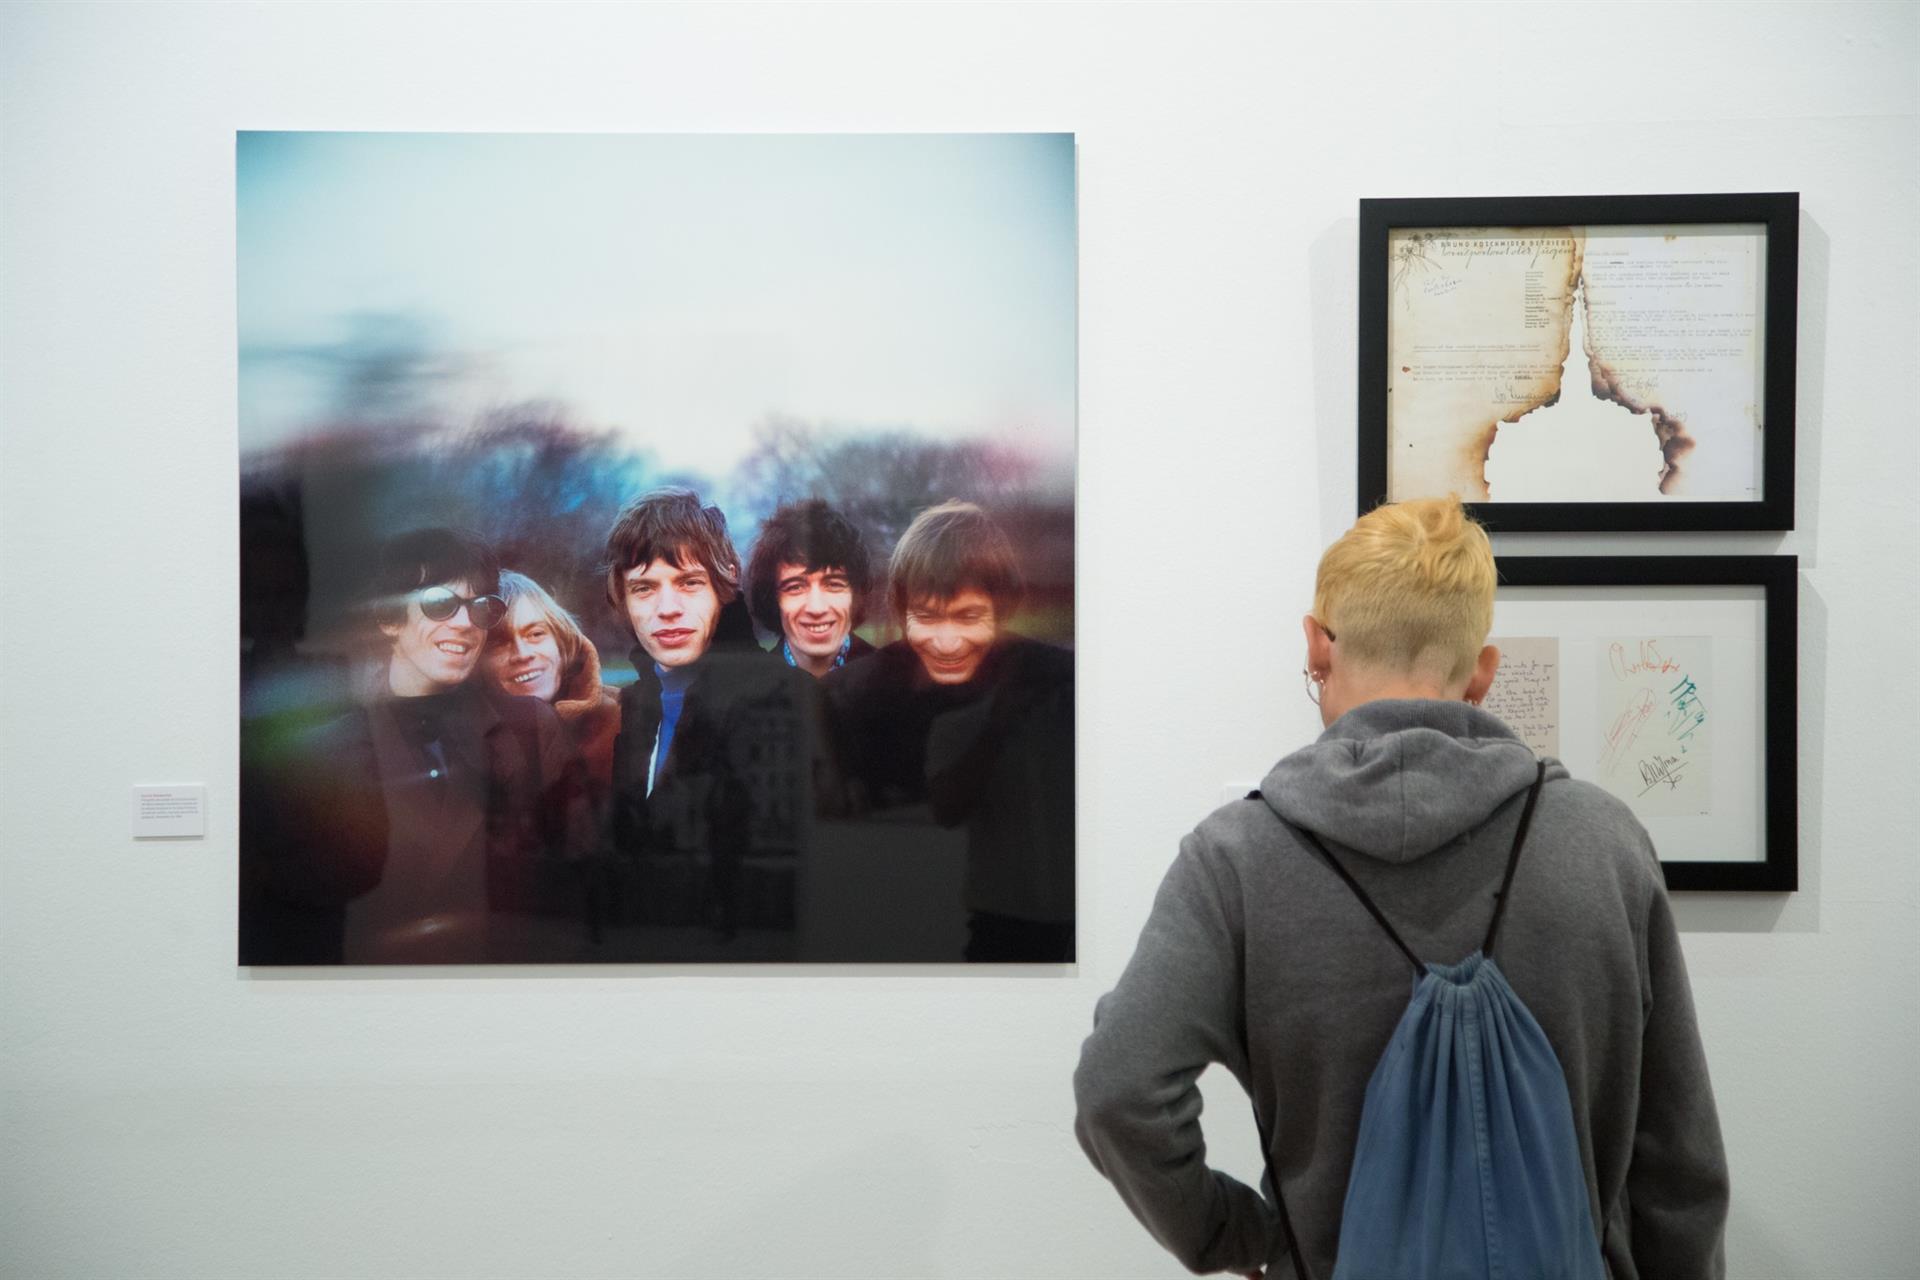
{"x":1598,"y":824}
{"x":1597,"y":827}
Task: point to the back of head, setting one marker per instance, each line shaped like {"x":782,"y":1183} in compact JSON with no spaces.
{"x":670,"y":524}
{"x":948,"y":549}
{"x":427,"y":558}
{"x":1409,"y":589}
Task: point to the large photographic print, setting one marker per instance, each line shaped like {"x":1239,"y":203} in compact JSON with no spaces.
{"x":656,"y":548}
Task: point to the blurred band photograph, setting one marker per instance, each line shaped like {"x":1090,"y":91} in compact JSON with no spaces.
{"x":656,"y":548}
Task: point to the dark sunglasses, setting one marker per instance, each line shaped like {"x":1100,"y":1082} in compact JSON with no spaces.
{"x":440,"y":603}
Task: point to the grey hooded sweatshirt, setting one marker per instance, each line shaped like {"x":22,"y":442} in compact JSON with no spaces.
{"x":1258,"y":957}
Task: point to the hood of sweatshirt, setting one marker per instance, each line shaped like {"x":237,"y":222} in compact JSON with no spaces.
{"x":1399,"y":778}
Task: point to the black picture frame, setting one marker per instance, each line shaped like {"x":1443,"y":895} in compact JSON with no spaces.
{"x":1778,"y":211}
{"x":1778,"y":577}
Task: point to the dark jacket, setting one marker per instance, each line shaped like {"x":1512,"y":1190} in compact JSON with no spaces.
{"x":739,"y":782}
{"x":882,"y":710}
{"x":994,"y":755}
{"x":366,"y":841}
{"x":1257,"y":956}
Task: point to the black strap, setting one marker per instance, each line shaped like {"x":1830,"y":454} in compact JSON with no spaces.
{"x":1500,"y":898}
{"x":1513,"y":858}
{"x":1279,"y":1197}
{"x":1365,"y":901}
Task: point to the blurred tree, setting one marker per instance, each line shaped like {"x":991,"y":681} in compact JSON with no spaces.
{"x":539,"y":490}
{"x":880,"y":480}
{"x":543,"y":491}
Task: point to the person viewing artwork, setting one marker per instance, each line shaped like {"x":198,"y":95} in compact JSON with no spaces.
{"x":437,"y":822}
{"x":713,"y":763}
{"x":976,"y":721}
{"x":808,"y":582}
{"x":1262,"y":953}
{"x":539,"y":651}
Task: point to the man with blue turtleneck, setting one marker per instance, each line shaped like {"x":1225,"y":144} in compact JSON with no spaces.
{"x":714,"y":733}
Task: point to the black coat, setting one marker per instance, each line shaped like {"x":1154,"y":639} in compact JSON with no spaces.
{"x":995,"y":755}
{"x":717,"y":840}
{"x":882,"y":710}
{"x":358,"y":845}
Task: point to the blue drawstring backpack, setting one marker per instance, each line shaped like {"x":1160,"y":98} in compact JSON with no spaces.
{"x":1467,"y":1165}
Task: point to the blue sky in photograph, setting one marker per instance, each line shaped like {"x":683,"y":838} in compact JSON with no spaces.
{"x":677,"y":288}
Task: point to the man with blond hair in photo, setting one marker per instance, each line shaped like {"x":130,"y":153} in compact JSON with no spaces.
{"x":1414,"y":803}
{"x":540,"y":651}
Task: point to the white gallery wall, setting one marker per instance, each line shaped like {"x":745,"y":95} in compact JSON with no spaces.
{"x":163,"y":1113}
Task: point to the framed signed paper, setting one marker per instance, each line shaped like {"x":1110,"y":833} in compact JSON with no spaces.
{"x":1669,"y":682}
{"x":1581,"y":363}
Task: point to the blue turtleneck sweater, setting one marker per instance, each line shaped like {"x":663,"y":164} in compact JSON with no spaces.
{"x":673,"y":696}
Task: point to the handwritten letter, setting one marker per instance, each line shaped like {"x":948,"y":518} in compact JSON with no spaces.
{"x":1526,"y":692}
{"x":1656,"y":723}
{"x":1532,"y":364}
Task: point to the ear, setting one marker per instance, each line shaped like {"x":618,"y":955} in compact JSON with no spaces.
{"x":391,"y":630}
{"x":1319,"y":645}
{"x":1485,"y":668}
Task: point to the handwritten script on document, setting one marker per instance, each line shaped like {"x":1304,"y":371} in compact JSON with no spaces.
{"x":1653,"y":699}
{"x":1526,"y":691}
{"x":1552,"y":364}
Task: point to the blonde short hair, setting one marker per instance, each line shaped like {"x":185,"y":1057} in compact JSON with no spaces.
{"x":1410,"y":589}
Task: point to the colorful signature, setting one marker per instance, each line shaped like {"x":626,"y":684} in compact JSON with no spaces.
{"x":1683,"y":715}
{"x":1625,"y":728}
{"x":1685,"y":711}
{"x":1648,"y":659}
{"x":1659,"y":769}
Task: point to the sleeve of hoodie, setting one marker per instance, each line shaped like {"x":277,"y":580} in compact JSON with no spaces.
{"x":1177,"y":1008}
{"x":1677,"y":1186}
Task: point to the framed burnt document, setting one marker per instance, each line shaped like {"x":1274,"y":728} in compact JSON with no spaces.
{"x":1581,"y":362}
{"x":1670,"y":682}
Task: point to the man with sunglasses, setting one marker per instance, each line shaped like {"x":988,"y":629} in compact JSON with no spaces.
{"x":437,"y":641}
{"x":435,"y":823}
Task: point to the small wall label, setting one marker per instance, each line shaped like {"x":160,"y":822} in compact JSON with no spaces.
{"x":169,"y":811}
